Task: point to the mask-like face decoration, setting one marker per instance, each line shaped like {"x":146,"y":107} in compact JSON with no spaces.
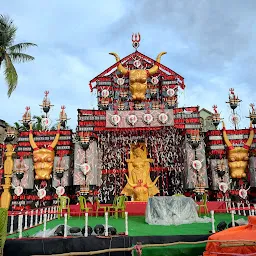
{"x":238,"y":156}
{"x":138,"y":77}
{"x":44,"y":157}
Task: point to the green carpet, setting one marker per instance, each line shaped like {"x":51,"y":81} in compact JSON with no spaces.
{"x":137,"y":226}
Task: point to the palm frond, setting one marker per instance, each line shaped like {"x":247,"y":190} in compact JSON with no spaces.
{"x":7,"y":31}
{"x":11,"y":75}
{"x":17,"y":48}
{"x":20,"y":57}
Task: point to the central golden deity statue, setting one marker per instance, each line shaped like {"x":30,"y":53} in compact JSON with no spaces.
{"x":238,"y":156}
{"x":138,"y":77}
{"x":43,"y":157}
{"x":139,"y":185}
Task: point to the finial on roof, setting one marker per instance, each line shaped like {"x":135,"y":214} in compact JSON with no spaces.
{"x":136,"y":40}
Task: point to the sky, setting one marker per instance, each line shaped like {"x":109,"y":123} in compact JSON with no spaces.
{"x":212,"y":44}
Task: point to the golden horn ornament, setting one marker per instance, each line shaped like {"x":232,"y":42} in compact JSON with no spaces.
{"x":225,"y":136}
{"x":251,"y":136}
{"x":153,"y":183}
{"x":129,"y":182}
{"x":120,"y":67}
{"x":56,"y":139}
{"x":31,"y":138}
{"x":154,"y":69}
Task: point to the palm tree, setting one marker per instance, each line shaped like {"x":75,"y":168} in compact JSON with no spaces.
{"x":10,"y":52}
{"x":37,"y":126}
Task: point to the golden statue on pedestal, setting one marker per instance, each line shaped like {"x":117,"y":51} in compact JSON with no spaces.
{"x":238,"y":156}
{"x":8,"y":168}
{"x":139,"y":185}
{"x":44,"y":157}
{"x":138,"y":77}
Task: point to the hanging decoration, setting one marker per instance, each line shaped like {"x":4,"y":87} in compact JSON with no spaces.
{"x":223,"y":187}
{"x":197,"y":165}
{"x":41,"y":193}
{"x":60,"y":190}
{"x":132,"y":119}
{"x":115,"y":119}
{"x":243,"y":193}
{"x":163,"y":118}
{"x":18,"y":190}
{"x":85,"y":168}
{"x":148,"y":118}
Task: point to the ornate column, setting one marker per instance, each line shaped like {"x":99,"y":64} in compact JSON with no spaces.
{"x":8,"y":168}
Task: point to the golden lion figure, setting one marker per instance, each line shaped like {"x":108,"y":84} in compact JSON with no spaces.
{"x":138,"y":77}
{"x":139,"y":185}
{"x":238,"y":156}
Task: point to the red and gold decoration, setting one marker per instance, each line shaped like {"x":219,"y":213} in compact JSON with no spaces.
{"x":238,"y":156}
{"x":139,"y":185}
{"x":43,"y":157}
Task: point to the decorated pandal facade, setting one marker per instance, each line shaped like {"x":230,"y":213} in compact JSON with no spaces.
{"x":138,"y":143}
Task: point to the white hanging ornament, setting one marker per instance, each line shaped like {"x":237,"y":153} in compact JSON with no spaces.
{"x":120,"y":81}
{"x":46,"y":123}
{"x":170,"y":92}
{"x":163,"y":118}
{"x":115,"y":119}
{"x":105,"y":93}
{"x":132,"y":119}
{"x":242,"y":193}
{"x":223,"y":187}
{"x":85,"y":168}
{"x":154,"y":80}
{"x":18,"y":190}
{"x":147,"y":118}
{"x":197,"y":165}
{"x":41,"y":193}
{"x":60,"y":191}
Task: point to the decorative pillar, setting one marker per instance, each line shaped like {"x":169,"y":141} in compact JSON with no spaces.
{"x":8,"y":168}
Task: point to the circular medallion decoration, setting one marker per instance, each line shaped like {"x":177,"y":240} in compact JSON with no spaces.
{"x":242,"y":193}
{"x":137,"y":63}
{"x":223,"y":187}
{"x":147,"y":118}
{"x":154,"y":80}
{"x":132,"y":119}
{"x":170,"y":92}
{"x":41,"y":193}
{"x":85,"y":168}
{"x":197,"y":165}
{"x":18,"y":190}
{"x":60,"y":191}
{"x":105,"y":93}
{"x":120,"y":81}
{"x":115,"y":119}
{"x":163,"y":118}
